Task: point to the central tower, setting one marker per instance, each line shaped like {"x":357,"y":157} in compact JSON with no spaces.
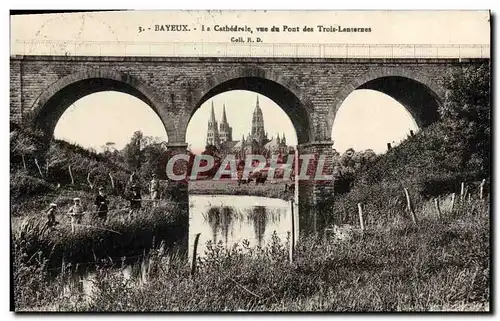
{"x":258,"y":133}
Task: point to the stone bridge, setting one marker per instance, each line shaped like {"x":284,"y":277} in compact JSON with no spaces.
{"x":309,"y":90}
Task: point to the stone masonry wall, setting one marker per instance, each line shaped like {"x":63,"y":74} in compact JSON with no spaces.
{"x":175,"y":80}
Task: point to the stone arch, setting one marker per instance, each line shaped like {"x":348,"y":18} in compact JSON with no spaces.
{"x":277,"y":87}
{"x":401,"y":76}
{"x":54,"y":100}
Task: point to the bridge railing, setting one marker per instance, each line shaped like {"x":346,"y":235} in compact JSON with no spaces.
{"x":214,"y":49}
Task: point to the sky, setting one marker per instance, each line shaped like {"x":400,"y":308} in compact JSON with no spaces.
{"x":366,"y":119}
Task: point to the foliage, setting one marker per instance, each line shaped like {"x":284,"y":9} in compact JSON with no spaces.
{"x":466,"y":115}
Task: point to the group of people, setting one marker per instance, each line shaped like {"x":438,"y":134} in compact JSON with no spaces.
{"x":101,"y":205}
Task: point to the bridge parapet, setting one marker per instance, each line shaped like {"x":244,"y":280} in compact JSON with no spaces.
{"x":249,"y":49}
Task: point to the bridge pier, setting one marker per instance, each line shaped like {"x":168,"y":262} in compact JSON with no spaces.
{"x":177,"y":192}
{"x":315,"y":192}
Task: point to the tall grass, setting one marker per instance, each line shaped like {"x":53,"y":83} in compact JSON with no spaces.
{"x":435,"y":265}
{"x":117,"y":238}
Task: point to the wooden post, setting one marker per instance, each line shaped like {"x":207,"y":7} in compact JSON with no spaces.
{"x":193,"y":260}
{"x":24,"y":161}
{"x":438,"y":208}
{"x":71,"y":175}
{"x":112,"y":181}
{"x":292,"y":245}
{"x":481,"y":189}
{"x":462,"y":190}
{"x":452,"y":202}
{"x":361,"y":220}
{"x":90,"y":183}
{"x":38,"y":166}
{"x":410,"y":208}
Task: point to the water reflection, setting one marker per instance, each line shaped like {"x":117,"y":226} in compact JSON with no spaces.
{"x":232,"y":219}
{"x":259,"y":219}
{"x":220,"y":220}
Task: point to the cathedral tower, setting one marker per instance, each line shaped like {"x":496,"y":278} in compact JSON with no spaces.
{"x":225,"y":131}
{"x":212,"y":130}
{"x":258,"y":133}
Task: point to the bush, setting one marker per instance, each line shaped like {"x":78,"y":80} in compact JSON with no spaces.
{"x":23,"y":186}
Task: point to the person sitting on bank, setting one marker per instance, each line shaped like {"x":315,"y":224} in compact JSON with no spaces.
{"x":76,"y":214}
{"x":135,"y":200}
{"x":51,"y":216}
{"x":154,"y":190}
{"x":101,"y":203}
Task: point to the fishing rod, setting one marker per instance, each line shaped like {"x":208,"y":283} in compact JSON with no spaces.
{"x":100,"y":228}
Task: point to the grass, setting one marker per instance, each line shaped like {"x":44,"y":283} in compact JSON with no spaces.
{"x":435,"y":265}
{"x":117,"y":238}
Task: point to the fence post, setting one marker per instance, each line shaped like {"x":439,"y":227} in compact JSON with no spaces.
{"x":481,"y":189}
{"x":38,"y":166}
{"x":452,"y":202}
{"x":462,"y":191}
{"x":438,"y":208}
{"x":71,"y":175}
{"x":292,"y":246}
{"x":361,"y":220}
{"x":410,"y":208}
{"x":112,"y":181}
{"x":90,"y":183}
{"x":193,"y":259}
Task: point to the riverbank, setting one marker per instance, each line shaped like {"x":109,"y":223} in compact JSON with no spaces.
{"x":93,"y":240}
{"x":437,"y":264}
{"x":230,"y":187}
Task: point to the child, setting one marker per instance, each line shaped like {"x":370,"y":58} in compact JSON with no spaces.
{"x":101,"y":202}
{"x":51,"y":216}
{"x":135,"y":201}
{"x":76,"y":213}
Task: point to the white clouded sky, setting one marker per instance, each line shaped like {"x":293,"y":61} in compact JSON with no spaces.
{"x":107,"y":117}
{"x":367,"y":119}
{"x":370,"y":119}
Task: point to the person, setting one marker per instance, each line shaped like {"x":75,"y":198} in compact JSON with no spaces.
{"x":154,"y":189}
{"x":51,"y":216}
{"x":101,"y":203}
{"x":76,"y":214}
{"x":135,"y":200}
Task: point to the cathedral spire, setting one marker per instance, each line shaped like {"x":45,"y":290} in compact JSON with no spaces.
{"x":224,"y":117}
{"x":212,"y":116}
{"x":213,"y":131}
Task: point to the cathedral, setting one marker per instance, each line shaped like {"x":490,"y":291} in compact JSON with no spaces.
{"x":256,"y":142}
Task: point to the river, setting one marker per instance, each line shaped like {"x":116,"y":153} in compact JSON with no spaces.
{"x":221,"y":219}
{"x":230,"y":219}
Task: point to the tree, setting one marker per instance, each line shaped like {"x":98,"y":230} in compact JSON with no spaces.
{"x":22,"y":144}
{"x":54,"y":157}
{"x":466,"y":116}
{"x":132,"y":151}
{"x":369,"y":156}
